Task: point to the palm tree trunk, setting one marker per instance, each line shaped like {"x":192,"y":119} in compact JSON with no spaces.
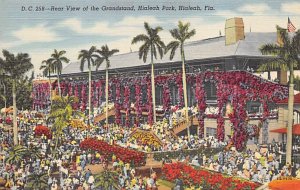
{"x":90,"y":88}
{"x":15,"y":126}
{"x":153,"y":86}
{"x":289,"y":139}
{"x":4,"y":93}
{"x":269,"y":75}
{"x":58,"y":85}
{"x":50,"y":93}
{"x":185,"y":92}
{"x":106,"y":97}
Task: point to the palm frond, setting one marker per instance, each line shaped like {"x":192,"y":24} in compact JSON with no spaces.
{"x":270,"y":49}
{"x":139,"y":38}
{"x":273,"y":65}
{"x":173,"y":45}
{"x":98,"y":62}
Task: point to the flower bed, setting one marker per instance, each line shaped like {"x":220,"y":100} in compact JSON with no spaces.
{"x":125,"y":154}
{"x":42,"y":130}
{"x":204,"y":179}
{"x":145,"y":138}
{"x":77,"y":123}
{"x":284,"y":184}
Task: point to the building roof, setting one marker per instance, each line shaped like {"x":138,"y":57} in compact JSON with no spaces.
{"x":197,"y":50}
{"x":296,"y":130}
{"x":296,"y":100}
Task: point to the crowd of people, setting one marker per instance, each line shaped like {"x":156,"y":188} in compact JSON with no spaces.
{"x":68,"y":167}
{"x":262,"y":165}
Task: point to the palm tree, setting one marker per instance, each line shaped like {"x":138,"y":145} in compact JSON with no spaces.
{"x":286,"y":58}
{"x":16,"y":154}
{"x":15,"y":67}
{"x":62,"y":112}
{"x":105,"y":55}
{"x":89,"y":56}
{"x":181,"y":34}
{"x":151,"y":44}
{"x":106,"y":180}
{"x":37,"y":181}
{"x":47,"y":68}
{"x":2,"y":82}
{"x":57,"y":59}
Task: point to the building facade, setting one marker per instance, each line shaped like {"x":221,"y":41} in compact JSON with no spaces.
{"x":220,"y":77}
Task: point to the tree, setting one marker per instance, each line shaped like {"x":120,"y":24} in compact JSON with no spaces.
{"x":297,"y":83}
{"x":24,"y":90}
{"x":286,"y":58}
{"x":57,"y":59}
{"x":47,"y":68}
{"x":62,"y":112}
{"x":15,"y":67}
{"x":181,"y":34}
{"x":105,"y":55}
{"x":106,"y":180}
{"x":151,"y":44}
{"x":37,"y":181}
{"x":2,"y":82}
{"x":16,"y":154}
{"x":90,"y":57}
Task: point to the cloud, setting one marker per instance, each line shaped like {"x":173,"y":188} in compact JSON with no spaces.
{"x":291,"y":7}
{"x":126,"y":27}
{"x":38,"y":33}
{"x":226,"y":13}
{"x":138,"y":21}
{"x":255,"y":8}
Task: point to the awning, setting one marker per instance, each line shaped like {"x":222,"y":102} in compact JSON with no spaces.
{"x":296,"y":130}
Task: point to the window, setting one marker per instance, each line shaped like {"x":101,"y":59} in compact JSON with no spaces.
{"x":174,"y":94}
{"x":253,"y":107}
{"x":132,"y":94}
{"x":158,"y":95}
{"x":144,"y":94}
{"x":211,"y":132}
{"x":211,"y":90}
{"x":113,"y":92}
{"x":296,"y":116}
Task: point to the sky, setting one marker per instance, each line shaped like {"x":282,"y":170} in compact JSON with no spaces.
{"x":38,"y":27}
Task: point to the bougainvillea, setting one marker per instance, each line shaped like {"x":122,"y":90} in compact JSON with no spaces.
{"x":76,"y":104}
{"x":234,"y":87}
{"x":126,"y":105}
{"x":138,"y":100}
{"x":118,"y":104}
{"x":83,"y":97}
{"x":166,"y":99}
{"x":41,"y":94}
{"x":70,"y":89}
{"x":200,"y":96}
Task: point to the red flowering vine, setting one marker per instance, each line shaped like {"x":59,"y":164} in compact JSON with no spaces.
{"x":201,"y":103}
{"x":126,"y":105}
{"x":166,"y":98}
{"x":138,"y":100}
{"x":117,"y":104}
{"x":83,"y":97}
